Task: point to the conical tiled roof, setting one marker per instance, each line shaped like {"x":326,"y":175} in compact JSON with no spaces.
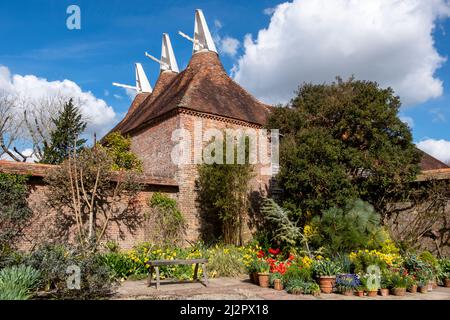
{"x":144,"y":99}
{"x":205,"y":87}
{"x":428,"y":162}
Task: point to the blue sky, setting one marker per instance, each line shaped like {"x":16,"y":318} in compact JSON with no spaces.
{"x":115,"y":34}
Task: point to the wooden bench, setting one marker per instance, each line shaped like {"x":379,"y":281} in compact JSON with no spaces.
{"x":155,"y":264}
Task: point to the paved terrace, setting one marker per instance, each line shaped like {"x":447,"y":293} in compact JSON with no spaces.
{"x":242,"y":289}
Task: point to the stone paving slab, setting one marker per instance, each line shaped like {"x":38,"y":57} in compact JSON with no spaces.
{"x":242,"y":289}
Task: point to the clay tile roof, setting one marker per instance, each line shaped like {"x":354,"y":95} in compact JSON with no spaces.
{"x":140,"y":97}
{"x":430,"y":163}
{"x":204,"y":86}
{"x":25,"y":168}
{"x":144,"y":100}
{"x":41,"y":170}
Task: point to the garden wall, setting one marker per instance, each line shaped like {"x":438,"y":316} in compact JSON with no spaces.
{"x":421,"y":229}
{"x":127,"y":232}
{"x":42,"y":226}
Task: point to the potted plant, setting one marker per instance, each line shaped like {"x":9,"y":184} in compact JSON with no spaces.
{"x":432,"y":265}
{"x":362,"y":287}
{"x":399,"y":283}
{"x":326,"y":271}
{"x":360,"y":290}
{"x":412,"y":286}
{"x":384,"y":284}
{"x":347,"y":283}
{"x":299,"y":286}
{"x":252,"y":271}
{"x":371,"y":285}
{"x":263,"y":269}
{"x":422,"y":282}
{"x":276,"y":281}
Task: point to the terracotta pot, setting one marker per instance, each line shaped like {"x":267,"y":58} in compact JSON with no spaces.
{"x":372,"y":293}
{"x":384,"y":292}
{"x":398,"y":291}
{"x":434,"y":284}
{"x":360,"y":293}
{"x":447,"y":283}
{"x":326,"y":283}
{"x":347,"y":293}
{"x":423,"y":289}
{"x":263,"y":279}
{"x":277,"y":284}
{"x":430,"y":285}
{"x":413,"y":289}
{"x":255,"y":278}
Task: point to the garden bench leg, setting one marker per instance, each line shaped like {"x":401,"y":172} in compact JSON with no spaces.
{"x":205,"y":276}
{"x":157,"y":277}
{"x":195,"y":272}
{"x":150,"y":275}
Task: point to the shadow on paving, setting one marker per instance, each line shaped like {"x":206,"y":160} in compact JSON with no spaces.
{"x":242,"y":289}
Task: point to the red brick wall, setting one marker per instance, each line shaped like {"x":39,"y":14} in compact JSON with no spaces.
{"x":41,"y":227}
{"x":187,"y":175}
{"x":154,"y":146}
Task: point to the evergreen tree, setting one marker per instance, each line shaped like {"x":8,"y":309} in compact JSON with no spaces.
{"x":343,"y":141}
{"x":68,"y":125}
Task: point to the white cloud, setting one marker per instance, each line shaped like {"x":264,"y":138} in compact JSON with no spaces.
{"x":99,"y":116}
{"x":269,"y":11}
{"x":229,"y":46}
{"x":28,"y":152}
{"x":217,"y":24}
{"x":389,"y":41}
{"x":438,"y":115}
{"x":117,"y":96}
{"x":440,"y":149}
{"x":131,"y":93}
{"x":408,"y":120}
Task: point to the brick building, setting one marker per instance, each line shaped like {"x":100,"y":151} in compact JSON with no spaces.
{"x":197,"y":99}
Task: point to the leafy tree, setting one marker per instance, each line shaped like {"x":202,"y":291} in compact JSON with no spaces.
{"x":89,"y":195}
{"x":355,"y":226}
{"x":223,"y":194}
{"x":118,"y":148}
{"x":14,"y":209}
{"x":343,"y":141}
{"x":68,"y":125}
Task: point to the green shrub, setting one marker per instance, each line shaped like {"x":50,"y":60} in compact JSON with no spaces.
{"x":225,"y":261}
{"x":428,"y":257}
{"x":295,"y":271}
{"x":169,"y":220}
{"x":443,"y":270}
{"x":14,"y":209}
{"x":17,"y":282}
{"x":53,"y":261}
{"x":355,"y":226}
{"x":120,"y":264}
